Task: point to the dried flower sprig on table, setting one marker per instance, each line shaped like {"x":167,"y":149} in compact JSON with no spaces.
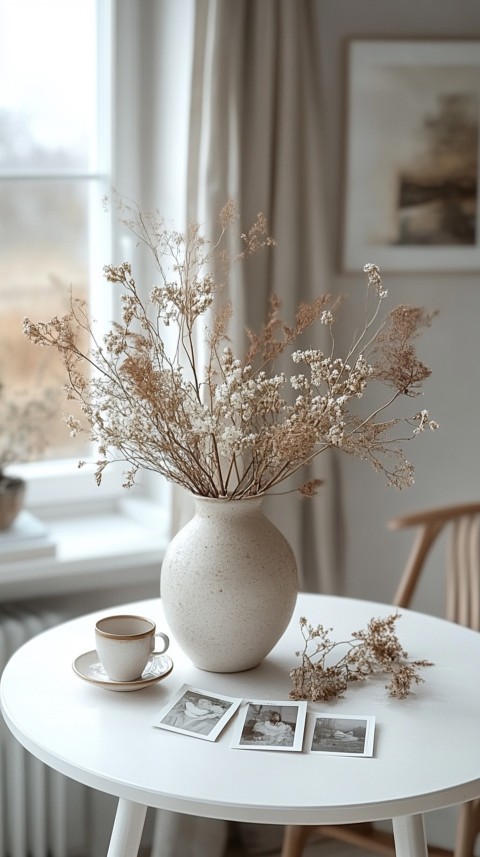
{"x":376,"y":649}
{"x":218,"y":424}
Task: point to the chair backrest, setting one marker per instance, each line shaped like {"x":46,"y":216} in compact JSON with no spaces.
{"x":462,"y":601}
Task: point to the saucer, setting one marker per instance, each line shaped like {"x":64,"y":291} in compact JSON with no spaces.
{"x":88,"y":667}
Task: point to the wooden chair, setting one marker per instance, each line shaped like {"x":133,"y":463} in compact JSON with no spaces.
{"x":462,"y":605}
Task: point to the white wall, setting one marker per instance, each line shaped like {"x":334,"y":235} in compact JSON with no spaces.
{"x":447,"y":462}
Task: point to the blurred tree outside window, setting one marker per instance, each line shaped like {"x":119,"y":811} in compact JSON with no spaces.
{"x":53,"y":175}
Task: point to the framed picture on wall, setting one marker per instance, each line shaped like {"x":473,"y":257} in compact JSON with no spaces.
{"x":411,"y":199}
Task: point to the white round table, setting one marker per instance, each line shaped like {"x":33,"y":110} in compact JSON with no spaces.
{"x":426,"y":753}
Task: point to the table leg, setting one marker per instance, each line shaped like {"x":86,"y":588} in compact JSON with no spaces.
{"x":409,"y":834}
{"x":127,"y":830}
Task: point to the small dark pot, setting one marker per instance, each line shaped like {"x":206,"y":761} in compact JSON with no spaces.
{"x":12,"y":495}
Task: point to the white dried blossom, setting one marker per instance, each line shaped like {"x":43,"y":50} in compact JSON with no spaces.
{"x":74,"y":425}
{"x":129,"y":308}
{"x":230,"y":441}
{"x":375,"y":280}
{"x":299,"y":382}
{"x":335,"y":434}
{"x":202,"y":422}
{"x":424,"y":422}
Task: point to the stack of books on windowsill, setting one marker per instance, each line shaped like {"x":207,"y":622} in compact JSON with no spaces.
{"x":27,"y":538}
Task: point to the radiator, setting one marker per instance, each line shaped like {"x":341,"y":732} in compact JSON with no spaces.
{"x":34,"y":799}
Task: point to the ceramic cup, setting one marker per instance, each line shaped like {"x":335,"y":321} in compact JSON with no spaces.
{"x":124,"y":645}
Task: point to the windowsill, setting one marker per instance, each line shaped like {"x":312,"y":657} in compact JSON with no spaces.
{"x":94,"y":549}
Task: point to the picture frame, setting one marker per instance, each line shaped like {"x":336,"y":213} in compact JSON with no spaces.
{"x":411,"y":200}
{"x":265,"y":724}
{"x":198,"y":713}
{"x":343,"y":735}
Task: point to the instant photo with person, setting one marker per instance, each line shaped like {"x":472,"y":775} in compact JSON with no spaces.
{"x":198,"y":713}
{"x":267,"y":725}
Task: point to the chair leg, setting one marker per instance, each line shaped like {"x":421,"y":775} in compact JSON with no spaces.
{"x":468,"y":828}
{"x":294,"y":839}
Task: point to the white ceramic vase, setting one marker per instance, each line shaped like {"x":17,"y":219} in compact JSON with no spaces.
{"x":228,"y":585}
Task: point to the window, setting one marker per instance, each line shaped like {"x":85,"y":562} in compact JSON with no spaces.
{"x":55,"y":167}
{"x":84,"y":89}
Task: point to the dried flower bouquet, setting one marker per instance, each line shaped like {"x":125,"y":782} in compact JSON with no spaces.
{"x":24,"y":420}
{"x":222,"y":425}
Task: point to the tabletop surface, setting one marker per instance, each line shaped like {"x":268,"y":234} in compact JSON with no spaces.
{"x":426,"y":752}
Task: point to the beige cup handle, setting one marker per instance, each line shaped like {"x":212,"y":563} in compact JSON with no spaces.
{"x":166,"y":643}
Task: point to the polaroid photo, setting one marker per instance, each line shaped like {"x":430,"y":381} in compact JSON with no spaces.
{"x":198,"y":713}
{"x":270,"y":725}
{"x":343,"y":734}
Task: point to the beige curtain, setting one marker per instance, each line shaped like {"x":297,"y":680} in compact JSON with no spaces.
{"x":255,"y":135}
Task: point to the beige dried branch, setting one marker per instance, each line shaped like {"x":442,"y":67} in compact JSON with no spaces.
{"x":376,"y":649}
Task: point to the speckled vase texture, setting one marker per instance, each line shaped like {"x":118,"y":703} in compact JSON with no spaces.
{"x":228,"y":585}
